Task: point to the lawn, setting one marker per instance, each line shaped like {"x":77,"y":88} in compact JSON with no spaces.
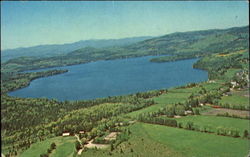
{"x":195,"y":144}
{"x":215,"y":121}
{"x":64,"y":147}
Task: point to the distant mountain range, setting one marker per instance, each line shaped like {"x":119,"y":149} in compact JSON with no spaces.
{"x":60,"y":49}
{"x":181,"y":45}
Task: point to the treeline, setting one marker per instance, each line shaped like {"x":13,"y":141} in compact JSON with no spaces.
{"x":175,"y":58}
{"x":161,"y":120}
{"x":232,"y":115}
{"x":157,"y":120}
{"x":223,"y":131}
{"x":235,"y":107}
{"x":14,"y":81}
{"x":48,"y":118}
{"x":217,"y":65}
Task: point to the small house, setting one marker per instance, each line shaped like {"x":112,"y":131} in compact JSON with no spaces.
{"x":211,"y":81}
{"x":65,"y":134}
{"x":81,"y":132}
{"x":188,"y":112}
{"x":131,"y":122}
{"x":234,"y":84}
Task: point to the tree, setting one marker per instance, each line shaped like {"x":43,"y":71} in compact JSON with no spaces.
{"x":190,"y":125}
{"x":77,"y":145}
{"x":170,"y":111}
{"x":121,"y":151}
{"x":180,"y":124}
{"x":111,"y":147}
{"x":53,"y":146}
{"x":49,"y":150}
{"x":180,"y":110}
{"x":44,"y":155}
{"x":197,"y":112}
{"x":246,"y":134}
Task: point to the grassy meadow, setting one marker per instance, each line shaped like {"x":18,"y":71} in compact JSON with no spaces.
{"x":214,"y":121}
{"x":64,"y":147}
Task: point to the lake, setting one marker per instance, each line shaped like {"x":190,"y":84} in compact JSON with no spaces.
{"x":113,"y":77}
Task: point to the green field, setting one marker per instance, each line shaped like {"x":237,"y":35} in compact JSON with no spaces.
{"x":230,"y":73}
{"x":137,"y":145}
{"x":148,"y":140}
{"x":241,"y":93}
{"x":235,"y":100}
{"x":173,"y":96}
{"x":212,"y":86}
{"x":64,"y":147}
{"x":215,"y":121}
{"x":195,"y":144}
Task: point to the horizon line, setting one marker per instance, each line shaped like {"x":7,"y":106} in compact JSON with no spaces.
{"x":118,"y":38}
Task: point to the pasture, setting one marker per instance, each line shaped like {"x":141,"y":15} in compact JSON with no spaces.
{"x":173,"y":96}
{"x":235,"y":100}
{"x":192,"y":143}
{"x":64,"y":147}
{"x":215,"y":121}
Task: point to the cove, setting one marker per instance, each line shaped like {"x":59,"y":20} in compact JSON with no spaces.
{"x":111,"y":78}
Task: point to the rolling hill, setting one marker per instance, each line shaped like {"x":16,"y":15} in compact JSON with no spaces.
{"x":59,"y":49}
{"x":187,"y":44}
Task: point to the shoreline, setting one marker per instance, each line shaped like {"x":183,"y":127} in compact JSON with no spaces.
{"x":132,"y":93}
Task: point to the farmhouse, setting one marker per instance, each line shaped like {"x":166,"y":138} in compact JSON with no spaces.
{"x":233,"y":83}
{"x":211,"y":81}
{"x":65,"y":134}
{"x":188,"y":112}
{"x":81,"y":132}
{"x":111,"y":136}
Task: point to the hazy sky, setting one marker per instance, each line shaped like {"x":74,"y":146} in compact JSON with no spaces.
{"x":26,"y":23}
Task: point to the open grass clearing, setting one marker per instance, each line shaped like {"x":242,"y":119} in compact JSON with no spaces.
{"x":235,"y":100}
{"x":216,"y":121}
{"x":230,"y":73}
{"x":215,"y":111}
{"x":137,"y":145}
{"x":64,"y":147}
{"x":195,"y":144}
{"x":244,"y":93}
{"x":212,"y":86}
{"x":162,"y":101}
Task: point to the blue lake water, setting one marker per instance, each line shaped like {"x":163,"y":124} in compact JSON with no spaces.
{"x":113,"y":77}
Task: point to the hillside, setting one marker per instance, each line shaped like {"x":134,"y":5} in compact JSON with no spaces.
{"x":187,"y":45}
{"x":59,"y":49}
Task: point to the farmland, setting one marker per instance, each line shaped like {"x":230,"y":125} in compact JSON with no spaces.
{"x":214,"y":121}
{"x":64,"y":147}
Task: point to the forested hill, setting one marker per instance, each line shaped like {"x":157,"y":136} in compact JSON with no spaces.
{"x":57,"y":49}
{"x":208,"y":41}
{"x":187,"y":44}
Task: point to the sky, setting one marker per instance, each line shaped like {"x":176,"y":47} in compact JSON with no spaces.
{"x":25,"y":24}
